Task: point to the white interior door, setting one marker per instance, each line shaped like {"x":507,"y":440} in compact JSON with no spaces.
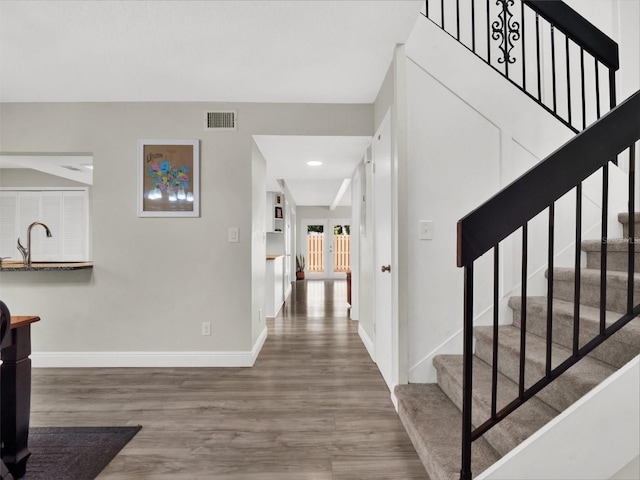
{"x":383,"y":268}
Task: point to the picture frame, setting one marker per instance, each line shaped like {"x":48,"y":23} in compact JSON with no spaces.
{"x":168,"y":178}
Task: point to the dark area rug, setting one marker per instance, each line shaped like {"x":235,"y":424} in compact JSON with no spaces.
{"x":74,"y":453}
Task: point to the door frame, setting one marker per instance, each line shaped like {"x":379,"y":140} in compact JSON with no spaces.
{"x":385,"y":317}
{"x":397,"y":113}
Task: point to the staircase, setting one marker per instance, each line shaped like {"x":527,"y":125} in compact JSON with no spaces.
{"x":518,"y":377}
{"x":431,"y":413}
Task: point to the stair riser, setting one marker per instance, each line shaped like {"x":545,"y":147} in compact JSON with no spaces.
{"x":560,"y":394}
{"x":503,"y":437}
{"x":623,"y":218}
{"x":617,"y":261}
{"x":625,"y":230}
{"x":613,"y":351}
{"x":590,"y":295}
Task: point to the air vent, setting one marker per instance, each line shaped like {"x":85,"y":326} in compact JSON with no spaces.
{"x":221,"y":120}
{"x":72,"y":168}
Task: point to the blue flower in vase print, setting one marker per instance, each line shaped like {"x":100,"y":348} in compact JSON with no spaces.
{"x":164,"y":176}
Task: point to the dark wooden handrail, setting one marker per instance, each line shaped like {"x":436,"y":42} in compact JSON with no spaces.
{"x":549,"y":180}
{"x":579,"y":29}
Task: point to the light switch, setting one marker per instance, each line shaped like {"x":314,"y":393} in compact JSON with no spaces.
{"x":426,"y":230}
{"x":233,"y":235}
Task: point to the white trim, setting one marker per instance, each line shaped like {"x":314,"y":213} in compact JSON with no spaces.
{"x":149,"y":359}
{"x":257,"y":347}
{"x":368,"y":344}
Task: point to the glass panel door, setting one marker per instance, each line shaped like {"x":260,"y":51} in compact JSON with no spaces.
{"x":315,"y":248}
{"x":341,"y":247}
{"x":328,"y":247}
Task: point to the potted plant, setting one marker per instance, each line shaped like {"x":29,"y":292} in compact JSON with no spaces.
{"x":300,"y":267}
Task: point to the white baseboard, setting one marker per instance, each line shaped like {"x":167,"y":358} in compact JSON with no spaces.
{"x":368,"y":344}
{"x":149,"y":359}
{"x":257,"y":347}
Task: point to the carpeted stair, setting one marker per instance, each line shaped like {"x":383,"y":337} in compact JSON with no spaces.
{"x":431,"y":412}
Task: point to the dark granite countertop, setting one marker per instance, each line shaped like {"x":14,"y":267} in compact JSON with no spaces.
{"x":44,"y":266}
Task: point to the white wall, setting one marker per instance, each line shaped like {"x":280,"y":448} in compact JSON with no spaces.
{"x":620,"y":20}
{"x":465,"y":143}
{"x":156,"y":279}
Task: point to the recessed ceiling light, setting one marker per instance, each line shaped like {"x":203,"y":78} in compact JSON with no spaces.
{"x":314,"y":163}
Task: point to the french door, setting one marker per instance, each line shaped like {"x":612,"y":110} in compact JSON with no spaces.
{"x":327,"y":245}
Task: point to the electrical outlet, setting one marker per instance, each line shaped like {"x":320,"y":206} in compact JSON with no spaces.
{"x":206,"y":328}
{"x":259,"y":315}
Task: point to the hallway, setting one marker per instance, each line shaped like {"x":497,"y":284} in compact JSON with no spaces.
{"x":313,"y":407}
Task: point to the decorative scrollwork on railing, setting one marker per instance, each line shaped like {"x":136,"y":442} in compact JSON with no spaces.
{"x":506,"y":30}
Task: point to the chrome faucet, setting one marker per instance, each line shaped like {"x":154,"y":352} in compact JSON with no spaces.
{"x":26,"y":252}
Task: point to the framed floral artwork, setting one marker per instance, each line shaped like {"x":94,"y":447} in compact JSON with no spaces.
{"x":168,"y":178}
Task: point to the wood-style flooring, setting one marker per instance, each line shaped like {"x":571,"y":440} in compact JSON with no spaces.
{"x":313,"y":407}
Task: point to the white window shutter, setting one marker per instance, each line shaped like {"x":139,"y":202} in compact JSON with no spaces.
{"x":51,"y":215}
{"x":9,"y":225}
{"x":74,"y":214}
{"x":29,"y":212}
{"x":65,"y":212}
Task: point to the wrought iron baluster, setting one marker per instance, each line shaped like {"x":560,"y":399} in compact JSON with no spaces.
{"x":473,"y":26}
{"x":467,"y":373}
{"x":507,"y":31}
{"x":488,"y":33}
{"x":612,"y":89}
{"x":524,"y":63}
{"x":576,"y":285}
{"x":538,"y":56}
{"x":553,"y":68}
{"x":595,"y":60}
{"x":550,"y":264}
{"x":458,"y":20}
{"x":496,"y":318}
{"x":584,"y":93}
{"x":523,"y":309}
{"x":566,"y":45}
{"x":603,"y":248}
{"x":632,"y":227}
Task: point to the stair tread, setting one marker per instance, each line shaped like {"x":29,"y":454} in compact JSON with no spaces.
{"x":620,"y":348}
{"x":433,"y":423}
{"x":613,"y":245}
{"x":624,"y":217}
{"x":520,"y":425}
{"x":565,"y":390}
{"x":591,"y":276}
{"x":588,"y":315}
